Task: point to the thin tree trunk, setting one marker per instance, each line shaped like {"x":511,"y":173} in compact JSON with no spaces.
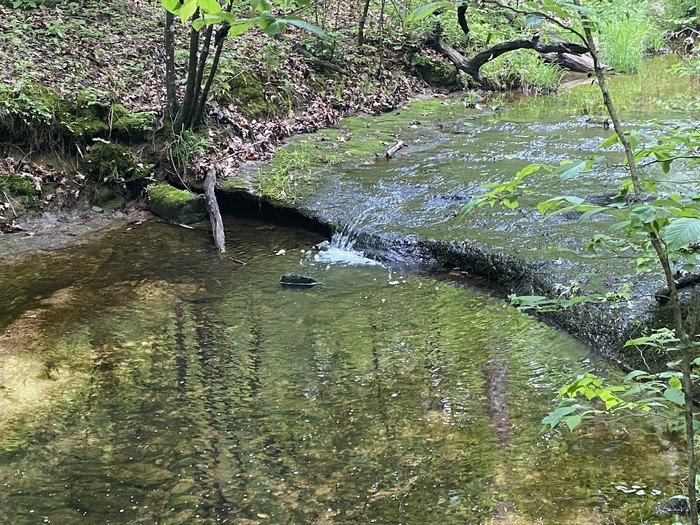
{"x":361,"y":25}
{"x":198,"y":79}
{"x":681,"y":333}
{"x":185,"y":108}
{"x":202,"y":104}
{"x":169,"y":45}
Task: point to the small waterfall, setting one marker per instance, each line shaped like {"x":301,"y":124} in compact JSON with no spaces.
{"x":342,"y":247}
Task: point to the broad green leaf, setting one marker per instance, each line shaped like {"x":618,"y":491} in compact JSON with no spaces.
{"x":186,"y":10}
{"x":210,"y":7}
{"x":610,"y":141}
{"x":675,"y":382}
{"x":635,"y":374}
{"x":674,"y":395}
{"x":170,"y":5}
{"x":238,"y":26}
{"x":301,"y":24}
{"x":206,"y":20}
{"x":529,"y":170}
{"x":570,"y":170}
{"x":572,"y":422}
{"x":510,"y":203}
{"x":681,"y":232}
{"x":425,"y":11}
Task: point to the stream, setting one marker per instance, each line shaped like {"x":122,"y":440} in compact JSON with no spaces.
{"x":143,"y":380}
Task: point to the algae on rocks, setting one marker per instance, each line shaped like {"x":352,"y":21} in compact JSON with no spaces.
{"x":180,"y":206}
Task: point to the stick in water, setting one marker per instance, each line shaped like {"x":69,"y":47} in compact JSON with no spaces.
{"x":217,"y":225}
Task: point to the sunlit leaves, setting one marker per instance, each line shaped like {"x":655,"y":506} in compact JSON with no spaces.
{"x":426,"y":10}
{"x":209,"y":12}
{"x":681,"y":232}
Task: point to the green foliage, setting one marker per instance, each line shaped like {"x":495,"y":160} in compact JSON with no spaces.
{"x":626,"y":36}
{"x":689,"y":68}
{"x":292,"y":166}
{"x":107,"y":162}
{"x":20,"y":4}
{"x":681,"y":14}
{"x":425,"y":10}
{"x":188,"y":145}
{"x":524,"y":68}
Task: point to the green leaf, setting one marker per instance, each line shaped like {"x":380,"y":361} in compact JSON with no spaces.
{"x":570,"y":170}
{"x":425,"y":11}
{"x":681,"y":232}
{"x":186,"y":10}
{"x":572,"y":422}
{"x":635,"y":374}
{"x":301,"y":24}
{"x":529,"y":170}
{"x":675,"y":382}
{"x":170,"y":5}
{"x":675,"y":395}
{"x":210,"y":7}
{"x":555,"y":417}
{"x":610,"y":141}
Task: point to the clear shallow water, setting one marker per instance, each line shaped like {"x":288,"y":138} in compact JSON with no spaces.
{"x":161,"y":385}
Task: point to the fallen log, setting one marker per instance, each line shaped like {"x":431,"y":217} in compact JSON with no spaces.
{"x":217,"y":225}
{"x":473,"y":65}
{"x":396,"y":147}
{"x":578,"y":63}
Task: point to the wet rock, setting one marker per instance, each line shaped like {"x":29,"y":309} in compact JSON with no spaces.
{"x":176,"y":205}
{"x":674,"y":505}
{"x":292,"y":280}
{"x":323,"y":246}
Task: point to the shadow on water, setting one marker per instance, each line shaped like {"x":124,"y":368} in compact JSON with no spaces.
{"x":160,"y":385}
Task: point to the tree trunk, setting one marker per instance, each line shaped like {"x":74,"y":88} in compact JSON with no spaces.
{"x":189,"y":121}
{"x":202,"y":104}
{"x":361,"y":24}
{"x":169,"y":45}
{"x":186,"y":107}
{"x":473,"y":65}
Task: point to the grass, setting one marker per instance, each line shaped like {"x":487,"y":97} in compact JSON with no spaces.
{"x":525,"y":69}
{"x":293,"y":166}
{"x":627,"y":37}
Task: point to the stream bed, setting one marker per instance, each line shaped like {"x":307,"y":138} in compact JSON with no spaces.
{"x":143,"y":380}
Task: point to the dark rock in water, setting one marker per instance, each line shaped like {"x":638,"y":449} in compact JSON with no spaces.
{"x":675,"y":505}
{"x":292,"y":280}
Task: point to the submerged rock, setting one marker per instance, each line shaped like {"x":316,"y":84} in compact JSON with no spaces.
{"x":179,"y":206}
{"x":292,"y":280}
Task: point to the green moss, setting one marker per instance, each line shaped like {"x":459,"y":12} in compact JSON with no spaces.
{"x":249,"y":96}
{"x":36,"y":114}
{"x":436,"y":73}
{"x":295,"y":168}
{"x":176,"y":205}
{"x":112,"y":163}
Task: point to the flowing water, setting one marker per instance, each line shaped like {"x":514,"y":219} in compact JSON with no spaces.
{"x":145,"y":381}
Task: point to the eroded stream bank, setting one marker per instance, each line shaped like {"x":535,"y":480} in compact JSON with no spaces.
{"x":159,"y":385}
